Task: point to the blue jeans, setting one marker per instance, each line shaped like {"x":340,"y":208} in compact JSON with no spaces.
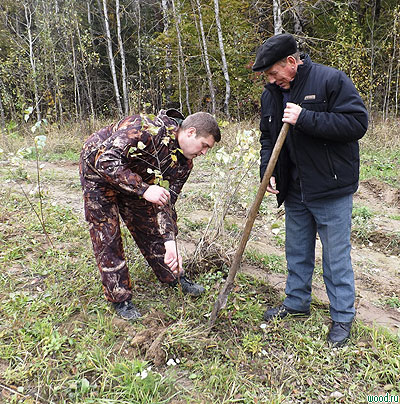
{"x":331,"y":218}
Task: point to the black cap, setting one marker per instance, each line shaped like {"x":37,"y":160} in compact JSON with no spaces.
{"x":273,"y":50}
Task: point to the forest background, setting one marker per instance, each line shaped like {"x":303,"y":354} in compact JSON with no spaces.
{"x":75,"y":59}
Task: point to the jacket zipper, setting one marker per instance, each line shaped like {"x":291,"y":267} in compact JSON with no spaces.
{"x":329,"y":158}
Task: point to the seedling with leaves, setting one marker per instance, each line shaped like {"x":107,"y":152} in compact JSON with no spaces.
{"x":17,"y":160}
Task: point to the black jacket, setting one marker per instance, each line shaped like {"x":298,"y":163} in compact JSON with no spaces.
{"x":325,"y":137}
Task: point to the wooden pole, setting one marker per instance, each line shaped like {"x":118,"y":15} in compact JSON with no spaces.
{"x":220,"y":303}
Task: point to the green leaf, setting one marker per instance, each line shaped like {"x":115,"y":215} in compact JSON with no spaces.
{"x":164,"y":184}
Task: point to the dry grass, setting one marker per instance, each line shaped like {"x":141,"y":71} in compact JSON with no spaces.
{"x":382,"y":135}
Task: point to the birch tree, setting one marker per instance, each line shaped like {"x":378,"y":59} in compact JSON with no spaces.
{"x":87,"y":81}
{"x":181,"y":55}
{"x":206,"y":58}
{"x":223,"y":58}
{"x":277,"y":11}
{"x":28,"y":19}
{"x":168,"y":61}
{"x":111,"y":57}
{"x":123,"y":61}
{"x":77,"y":92}
{"x":2,"y":116}
{"x":297,"y":17}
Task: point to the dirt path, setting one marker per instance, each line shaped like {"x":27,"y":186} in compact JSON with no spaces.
{"x":376,"y":268}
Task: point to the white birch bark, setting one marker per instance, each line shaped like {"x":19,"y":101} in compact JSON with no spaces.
{"x":87,"y":81}
{"x":77,"y":94}
{"x":223,"y":59}
{"x":168,"y":61}
{"x":111,"y":57}
{"x":123,"y":60}
{"x":277,"y":10}
{"x":139,"y":50}
{"x":206,"y":58}
{"x":28,"y":18}
{"x":2,"y":116}
{"x":181,"y":58}
{"x":297,"y":17}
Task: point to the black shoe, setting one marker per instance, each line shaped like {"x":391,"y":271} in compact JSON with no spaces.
{"x":188,"y":287}
{"x":283,"y":311}
{"x":339,"y":333}
{"x":126,"y":310}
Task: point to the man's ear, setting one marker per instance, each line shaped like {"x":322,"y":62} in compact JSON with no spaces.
{"x":191,"y":131}
{"x":291,"y":60}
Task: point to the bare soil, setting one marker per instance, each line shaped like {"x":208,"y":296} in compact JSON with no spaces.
{"x":376,"y":263}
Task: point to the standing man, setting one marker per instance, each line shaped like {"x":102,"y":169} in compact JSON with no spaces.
{"x":135,"y":169}
{"x":316,"y":174}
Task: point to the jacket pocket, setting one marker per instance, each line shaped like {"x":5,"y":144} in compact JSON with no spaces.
{"x":317,"y":105}
{"x":330,"y":162}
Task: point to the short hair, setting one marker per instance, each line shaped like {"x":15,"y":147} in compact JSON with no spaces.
{"x":296,"y":55}
{"x":204,"y":123}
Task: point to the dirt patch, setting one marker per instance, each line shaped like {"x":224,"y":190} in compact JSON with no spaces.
{"x":375,"y":193}
{"x":146,"y":343}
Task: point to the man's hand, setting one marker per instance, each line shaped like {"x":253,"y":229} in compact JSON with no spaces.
{"x":291,"y":113}
{"x":173,"y":261}
{"x":271,"y":188}
{"x":156,"y":194}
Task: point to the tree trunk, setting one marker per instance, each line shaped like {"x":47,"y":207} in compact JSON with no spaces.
{"x":2,"y":116}
{"x":392,"y":61}
{"x":111,"y":58}
{"x":278,"y":28}
{"x":177,"y":18}
{"x":77,"y":94}
{"x":139,"y":50}
{"x":87,"y":81}
{"x":168,"y":61}
{"x":223,"y":58}
{"x":297,"y":9}
{"x":28,"y":18}
{"x":123,"y":62}
{"x":206,"y":58}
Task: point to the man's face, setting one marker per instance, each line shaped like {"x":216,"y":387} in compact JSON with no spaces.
{"x":282,"y":74}
{"x":192,"y":145}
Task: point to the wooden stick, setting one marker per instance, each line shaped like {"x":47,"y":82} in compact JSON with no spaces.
{"x":220,"y":303}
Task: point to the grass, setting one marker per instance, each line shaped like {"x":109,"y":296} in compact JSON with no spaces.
{"x":272,"y":262}
{"x":392,"y":301}
{"x":61,"y":343}
{"x":380,"y":154}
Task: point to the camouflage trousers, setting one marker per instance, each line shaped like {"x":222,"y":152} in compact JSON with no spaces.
{"x":104,"y":207}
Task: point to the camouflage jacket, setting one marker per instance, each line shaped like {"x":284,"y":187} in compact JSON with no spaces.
{"x":135,"y":153}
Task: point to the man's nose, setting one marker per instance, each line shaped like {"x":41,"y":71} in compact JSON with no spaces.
{"x":204,"y":151}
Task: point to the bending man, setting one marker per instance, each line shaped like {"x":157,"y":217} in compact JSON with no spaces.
{"x":135,"y":169}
